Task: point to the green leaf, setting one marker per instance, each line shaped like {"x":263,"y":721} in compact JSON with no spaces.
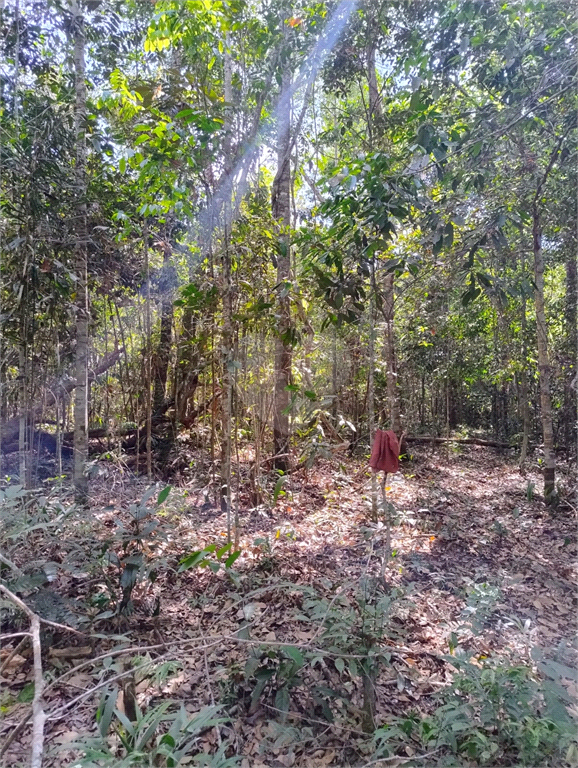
{"x":232,"y":557}
{"x":190,"y":561}
{"x":415,"y":103}
{"x":471,"y":295}
{"x":476,"y":148}
{"x":220,"y":552}
{"x":105,"y":711}
{"x":484,"y":279}
{"x":295,"y":654}
{"x":282,"y":700}
{"x":279,"y":487}
{"x":162,"y":497}
{"x":251,"y":666}
{"x":26,"y":694}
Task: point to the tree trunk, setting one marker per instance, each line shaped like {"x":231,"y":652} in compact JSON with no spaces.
{"x":375,"y":114}
{"x":23,"y":453}
{"x":187,"y":378}
{"x":392,"y":389}
{"x":281,"y":209}
{"x":524,"y":401}
{"x":543,"y":360}
{"x":374,"y":100}
{"x":570,"y":380}
{"x":164,"y":346}
{"x":81,"y":393}
{"x":148,"y":352}
{"x":227,"y":298}
{"x":371,"y":400}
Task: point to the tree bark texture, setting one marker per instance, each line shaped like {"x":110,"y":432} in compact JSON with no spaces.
{"x":227,"y":298}
{"x":80,"y":257}
{"x":570,"y":372}
{"x":549,"y":471}
{"x":371,"y":400}
{"x":524,"y":396}
{"x":375,"y":115}
{"x":148,"y":352}
{"x":163,"y":350}
{"x":281,"y":209}
{"x":392,"y":388}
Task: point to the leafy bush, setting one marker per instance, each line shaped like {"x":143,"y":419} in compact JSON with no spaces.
{"x":159,"y":738}
{"x":131,"y":551}
{"x":350,"y":631}
{"x":494,"y":713}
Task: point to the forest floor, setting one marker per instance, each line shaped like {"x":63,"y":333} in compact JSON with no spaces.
{"x":478,"y":562}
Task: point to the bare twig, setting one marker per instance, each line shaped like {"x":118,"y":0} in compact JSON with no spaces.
{"x":207,"y":673}
{"x":15,"y":732}
{"x":313,"y":720}
{"x":14,"y":635}
{"x":38,"y":714}
{"x":22,"y":605}
{"x":16,"y":650}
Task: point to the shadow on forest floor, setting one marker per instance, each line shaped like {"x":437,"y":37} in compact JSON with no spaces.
{"x":477,"y":555}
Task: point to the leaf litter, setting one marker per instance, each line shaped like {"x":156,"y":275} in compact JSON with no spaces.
{"x":467,"y":534}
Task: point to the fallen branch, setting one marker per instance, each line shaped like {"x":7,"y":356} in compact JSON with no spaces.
{"x":38,"y":714}
{"x":9,"y":430}
{"x":15,"y":650}
{"x":469,"y":440}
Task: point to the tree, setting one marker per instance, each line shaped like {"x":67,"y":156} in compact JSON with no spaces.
{"x":281,"y":210}
{"x":82,"y":311}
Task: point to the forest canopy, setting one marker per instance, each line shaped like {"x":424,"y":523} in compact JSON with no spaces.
{"x":280,"y":201}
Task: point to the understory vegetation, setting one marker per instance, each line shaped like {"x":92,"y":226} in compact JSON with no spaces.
{"x":239,"y":241}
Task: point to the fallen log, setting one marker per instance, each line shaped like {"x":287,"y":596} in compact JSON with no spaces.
{"x":468,"y":440}
{"x":54,"y":392}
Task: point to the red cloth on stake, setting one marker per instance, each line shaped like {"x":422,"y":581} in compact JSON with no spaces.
{"x":384,"y":452}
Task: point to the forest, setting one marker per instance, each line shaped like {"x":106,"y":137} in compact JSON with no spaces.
{"x":288,"y":389}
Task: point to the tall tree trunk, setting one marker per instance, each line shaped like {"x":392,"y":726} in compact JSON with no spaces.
{"x":375,"y":115}
{"x":392,"y":389}
{"x":281,"y":209}
{"x":524,"y":396}
{"x":543,"y":360}
{"x":542,"y":330}
{"x":164,"y":346}
{"x":570,"y":380}
{"x":148,"y":331}
{"x":23,"y":454}
{"x":81,"y":392}
{"x":374,"y":100}
{"x":371,"y":398}
{"x":187,"y":378}
{"x":227,"y":298}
